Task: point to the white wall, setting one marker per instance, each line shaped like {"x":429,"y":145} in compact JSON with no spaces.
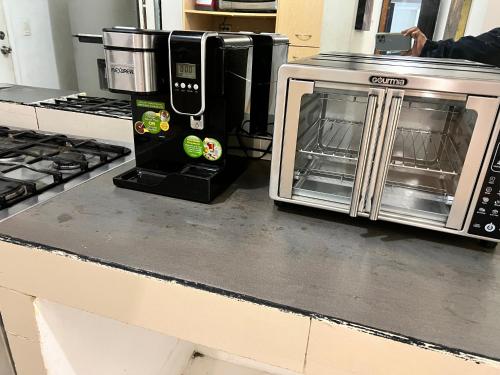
{"x":484,"y":16}
{"x":90,"y":17}
{"x":338,"y":27}
{"x":63,"y":44}
{"x":171,"y":14}
{"x":444,"y":11}
{"x":492,"y":18}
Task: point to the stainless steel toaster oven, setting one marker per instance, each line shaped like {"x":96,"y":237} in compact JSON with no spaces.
{"x":405,"y":140}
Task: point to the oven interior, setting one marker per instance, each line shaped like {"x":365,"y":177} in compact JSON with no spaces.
{"x":430,"y":148}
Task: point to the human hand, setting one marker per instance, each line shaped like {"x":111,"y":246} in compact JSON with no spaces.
{"x":419,"y":40}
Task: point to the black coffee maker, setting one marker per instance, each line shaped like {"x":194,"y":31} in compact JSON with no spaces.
{"x":188,"y":90}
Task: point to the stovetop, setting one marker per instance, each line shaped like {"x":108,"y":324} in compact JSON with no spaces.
{"x":119,"y":108}
{"x":32,"y":163}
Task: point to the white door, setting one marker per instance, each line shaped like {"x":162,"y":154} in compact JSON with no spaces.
{"x":6,"y":65}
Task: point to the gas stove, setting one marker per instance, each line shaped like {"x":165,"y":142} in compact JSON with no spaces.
{"x":36,"y":166}
{"x":86,"y":116}
{"x":91,"y":105}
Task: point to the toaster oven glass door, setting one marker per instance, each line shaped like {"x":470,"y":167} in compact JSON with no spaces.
{"x":400,"y":155}
{"x":326,"y":138}
{"x":430,"y":157}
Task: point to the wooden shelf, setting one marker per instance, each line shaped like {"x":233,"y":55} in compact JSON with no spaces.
{"x":231,"y":14}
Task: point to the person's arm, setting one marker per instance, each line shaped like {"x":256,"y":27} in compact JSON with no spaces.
{"x":483,"y":48}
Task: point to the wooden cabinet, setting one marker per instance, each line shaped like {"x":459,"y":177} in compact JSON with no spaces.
{"x":296,"y":53}
{"x":300,"y":20}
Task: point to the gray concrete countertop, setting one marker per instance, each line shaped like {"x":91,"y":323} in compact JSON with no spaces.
{"x":424,"y":285}
{"x":28,"y":94}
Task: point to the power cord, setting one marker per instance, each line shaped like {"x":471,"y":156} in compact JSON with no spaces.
{"x":246,"y":150}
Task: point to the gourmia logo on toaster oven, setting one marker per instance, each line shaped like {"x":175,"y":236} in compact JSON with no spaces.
{"x":389,"y":81}
{"x":122,"y":69}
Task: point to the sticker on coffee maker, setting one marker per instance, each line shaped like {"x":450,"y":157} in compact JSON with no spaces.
{"x":212,"y":149}
{"x":164,"y":126}
{"x":164,"y":116}
{"x":150,"y":104}
{"x":139,"y":127}
{"x":151,"y":122}
{"x":193,"y":146}
{"x":164,"y":121}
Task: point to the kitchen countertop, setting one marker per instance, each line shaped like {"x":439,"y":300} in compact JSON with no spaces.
{"x":28,"y":94}
{"x":424,"y":285}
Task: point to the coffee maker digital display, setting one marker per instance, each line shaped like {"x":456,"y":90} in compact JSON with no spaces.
{"x":184,"y":70}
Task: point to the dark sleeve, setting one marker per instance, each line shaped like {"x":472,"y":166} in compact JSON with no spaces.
{"x":468,"y":48}
{"x":484,"y":48}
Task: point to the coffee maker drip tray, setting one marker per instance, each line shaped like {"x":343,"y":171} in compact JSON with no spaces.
{"x":197,"y":183}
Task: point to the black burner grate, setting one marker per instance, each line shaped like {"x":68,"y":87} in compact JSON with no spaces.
{"x":32,"y":162}
{"x":92,"y":105}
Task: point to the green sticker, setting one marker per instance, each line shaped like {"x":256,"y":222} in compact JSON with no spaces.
{"x":212,"y":149}
{"x":152,"y":122}
{"x":150,"y":104}
{"x":193,"y":146}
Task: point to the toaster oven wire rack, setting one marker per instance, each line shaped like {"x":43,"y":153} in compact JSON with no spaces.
{"x":347,"y":179}
{"x":417,"y":149}
{"x":317,"y":181}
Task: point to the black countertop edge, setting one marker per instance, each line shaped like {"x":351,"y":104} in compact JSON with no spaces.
{"x":466,"y":355}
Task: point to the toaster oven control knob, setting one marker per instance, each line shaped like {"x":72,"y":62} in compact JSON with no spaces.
{"x":183,"y":85}
{"x":176,"y":84}
{"x":196,"y":87}
{"x":490,"y":227}
{"x":189,"y":86}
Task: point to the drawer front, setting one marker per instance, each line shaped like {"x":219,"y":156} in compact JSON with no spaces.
{"x":301,"y":21}
{"x":296,"y":53}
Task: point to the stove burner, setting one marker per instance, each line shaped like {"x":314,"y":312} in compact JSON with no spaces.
{"x":11,"y":157}
{"x":32,"y":163}
{"x":69,"y":160}
{"x":92,"y":105}
{"x":10,"y":190}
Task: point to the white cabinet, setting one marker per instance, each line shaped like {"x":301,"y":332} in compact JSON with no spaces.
{"x":6,"y":367}
{"x":18,"y":115}
{"x":75,"y":342}
{"x":85,"y":125}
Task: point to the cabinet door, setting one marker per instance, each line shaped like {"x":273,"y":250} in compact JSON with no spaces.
{"x":301,"y":21}
{"x":297,"y":53}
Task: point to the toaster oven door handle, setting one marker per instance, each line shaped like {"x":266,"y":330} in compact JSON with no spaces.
{"x":367,"y":148}
{"x":296,"y":90}
{"x":385,"y":150}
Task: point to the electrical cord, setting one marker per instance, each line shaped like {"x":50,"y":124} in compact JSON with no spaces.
{"x":246,"y":150}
